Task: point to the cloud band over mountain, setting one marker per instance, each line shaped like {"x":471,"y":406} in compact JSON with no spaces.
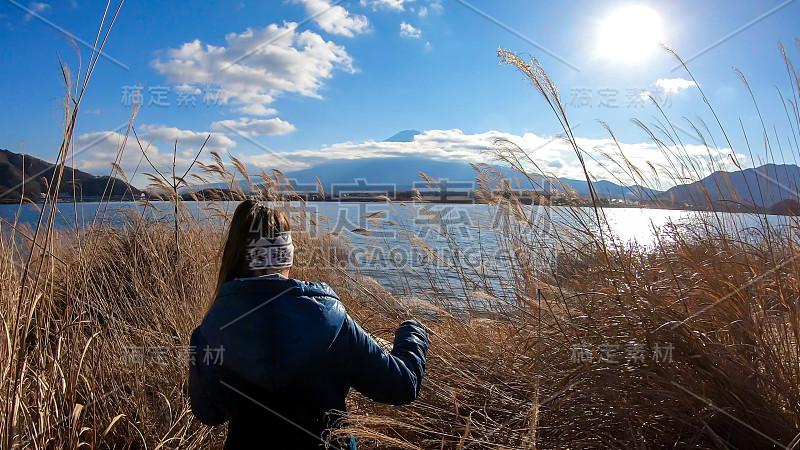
{"x":551,"y":154}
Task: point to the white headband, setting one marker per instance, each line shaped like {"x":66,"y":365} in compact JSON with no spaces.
{"x":264,"y":252}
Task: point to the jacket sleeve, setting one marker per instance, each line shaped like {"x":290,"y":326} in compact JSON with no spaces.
{"x":203,"y":406}
{"x":394,"y":378}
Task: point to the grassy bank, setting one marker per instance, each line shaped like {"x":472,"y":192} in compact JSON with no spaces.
{"x":693,"y":341}
{"x":571,"y":339}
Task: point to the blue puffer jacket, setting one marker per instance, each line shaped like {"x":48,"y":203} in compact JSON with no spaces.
{"x":276,"y":358}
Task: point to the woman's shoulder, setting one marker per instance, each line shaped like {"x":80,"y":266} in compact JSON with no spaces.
{"x":277,"y":286}
{"x":317,"y":289}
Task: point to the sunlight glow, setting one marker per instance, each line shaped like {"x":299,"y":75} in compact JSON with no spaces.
{"x":630,"y":34}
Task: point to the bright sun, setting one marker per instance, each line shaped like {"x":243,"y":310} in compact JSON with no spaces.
{"x":629,"y":34}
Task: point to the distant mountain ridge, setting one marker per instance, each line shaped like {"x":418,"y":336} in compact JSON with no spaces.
{"x":37,"y":174}
{"x":761,"y":186}
{"x":404,"y":174}
{"x":611,"y":190}
{"x":403,"y":136}
{"x":757,"y":188}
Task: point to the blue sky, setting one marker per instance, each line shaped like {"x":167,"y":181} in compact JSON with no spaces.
{"x":334,"y":86}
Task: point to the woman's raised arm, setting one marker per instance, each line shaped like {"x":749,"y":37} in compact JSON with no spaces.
{"x":393,"y":378}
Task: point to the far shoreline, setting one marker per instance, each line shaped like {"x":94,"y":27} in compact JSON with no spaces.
{"x":655,"y":205}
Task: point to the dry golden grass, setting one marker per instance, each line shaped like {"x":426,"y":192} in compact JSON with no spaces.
{"x":104,"y":330}
{"x":96,"y":325}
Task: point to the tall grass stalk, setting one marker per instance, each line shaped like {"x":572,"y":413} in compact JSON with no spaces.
{"x":96,"y":319}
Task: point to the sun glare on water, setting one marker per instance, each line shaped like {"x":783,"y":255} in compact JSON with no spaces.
{"x":630,"y":34}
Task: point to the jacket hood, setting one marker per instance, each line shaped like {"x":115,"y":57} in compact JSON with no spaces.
{"x":271,"y":329}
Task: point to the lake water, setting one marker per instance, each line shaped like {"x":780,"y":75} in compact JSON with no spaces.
{"x":432,"y":247}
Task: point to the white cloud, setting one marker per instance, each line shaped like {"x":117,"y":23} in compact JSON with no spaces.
{"x":188,"y":138}
{"x":335,"y":19}
{"x":554,"y":155}
{"x":551,"y":154}
{"x":407,"y":30}
{"x":191,"y":90}
{"x":36,"y":8}
{"x":436,"y":6}
{"x":254,"y":127}
{"x":255,"y":109}
{"x":423,"y":11}
{"x":96,"y":151}
{"x":256,"y":66}
{"x":386,"y":5}
{"x":674,"y":85}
